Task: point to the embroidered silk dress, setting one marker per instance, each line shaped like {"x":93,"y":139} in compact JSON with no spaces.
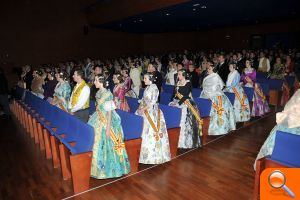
{"x":287,"y":121}
{"x":260,"y":103}
{"x":241,"y":104}
{"x":61,"y":96}
{"x":222,"y":118}
{"x":190,"y":123}
{"x":127,"y":87}
{"x":155,"y":147}
{"x":110,"y":158}
{"x":119,"y":98}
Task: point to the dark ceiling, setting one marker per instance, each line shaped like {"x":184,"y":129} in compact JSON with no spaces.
{"x":199,"y":15}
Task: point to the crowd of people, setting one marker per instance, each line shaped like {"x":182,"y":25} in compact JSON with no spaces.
{"x":71,"y":86}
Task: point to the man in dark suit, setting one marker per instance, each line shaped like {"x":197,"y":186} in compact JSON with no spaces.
{"x":240,"y":64}
{"x":222,"y":68}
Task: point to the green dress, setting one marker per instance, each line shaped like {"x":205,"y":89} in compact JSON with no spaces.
{"x":110,"y":159}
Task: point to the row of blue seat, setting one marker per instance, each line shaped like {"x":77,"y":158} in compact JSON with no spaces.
{"x":68,"y":129}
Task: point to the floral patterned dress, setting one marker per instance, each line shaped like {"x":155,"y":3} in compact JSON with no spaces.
{"x":110,"y":158}
{"x":119,"y":98}
{"x":61,"y":96}
{"x":155,"y":148}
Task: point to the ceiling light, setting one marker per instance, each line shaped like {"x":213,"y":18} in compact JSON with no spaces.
{"x":134,"y":21}
{"x":140,"y":20}
{"x":196,"y":4}
{"x":194,"y":9}
{"x":168,"y":14}
{"x":203,"y":7}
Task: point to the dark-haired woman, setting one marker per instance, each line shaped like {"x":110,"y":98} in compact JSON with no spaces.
{"x":62,"y":91}
{"x":119,"y":93}
{"x":49,"y":86}
{"x":155,"y":147}
{"x":191,"y":123}
{"x":222,"y":119}
{"x":110,"y":158}
{"x":127,"y":84}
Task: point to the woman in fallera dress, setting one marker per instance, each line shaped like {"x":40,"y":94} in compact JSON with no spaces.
{"x":155,"y":147}
{"x":62,"y":91}
{"x":241,"y":104}
{"x":127,"y":84}
{"x":119,"y":93}
{"x":110,"y":158}
{"x":260,"y":104}
{"x":190,"y":123}
{"x":222,"y":118}
{"x":287,"y":121}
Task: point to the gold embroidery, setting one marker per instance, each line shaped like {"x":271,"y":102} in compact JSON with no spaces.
{"x":219,"y":109}
{"x":241,"y":100}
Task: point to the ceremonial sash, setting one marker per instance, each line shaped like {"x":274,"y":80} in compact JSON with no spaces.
{"x":76,"y":94}
{"x":119,"y":145}
{"x":156,"y":129}
{"x":241,"y":100}
{"x":194,"y":111}
{"x":219,"y":109}
{"x":60,"y":104}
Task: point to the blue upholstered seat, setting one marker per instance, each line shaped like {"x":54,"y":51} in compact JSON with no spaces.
{"x":172,"y":115}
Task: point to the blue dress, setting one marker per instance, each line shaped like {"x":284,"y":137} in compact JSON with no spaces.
{"x":110,"y":158}
{"x":241,"y":104}
{"x":222,"y":118}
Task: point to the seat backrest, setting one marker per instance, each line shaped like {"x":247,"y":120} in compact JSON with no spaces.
{"x":249,"y":92}
{"x":165,"y":98}
{"x":132,"y":125}
{"x":287,"y":148}
{"x":204,"y":106}
{"x":265,"y":88}
{"x":275,"y":84}
{"x":168,"y":88}
{"x":84,"y":138}
{"x":231,"y":97}
{"x":133,"y":104}
{"x":172,"y":115}
{"x":196,"y":92}
{"x":290,"y":80}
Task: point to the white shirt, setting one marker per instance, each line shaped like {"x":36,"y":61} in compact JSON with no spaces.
{"x":82,"y":99}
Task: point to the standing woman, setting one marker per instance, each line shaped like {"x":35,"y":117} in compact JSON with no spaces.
{"x":222,"y":119}
{"x":127,"y":84}
{"x":110,"y":158}
{"x":241,"y":104}
{"x":119,"y":93}
{"x":62,"y":91}
{"x":50,"y":85}
{"x":155,"y":147}
{"x":260,"y":104}
{"x":135,"y":75}
{"x":190,"y":123}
